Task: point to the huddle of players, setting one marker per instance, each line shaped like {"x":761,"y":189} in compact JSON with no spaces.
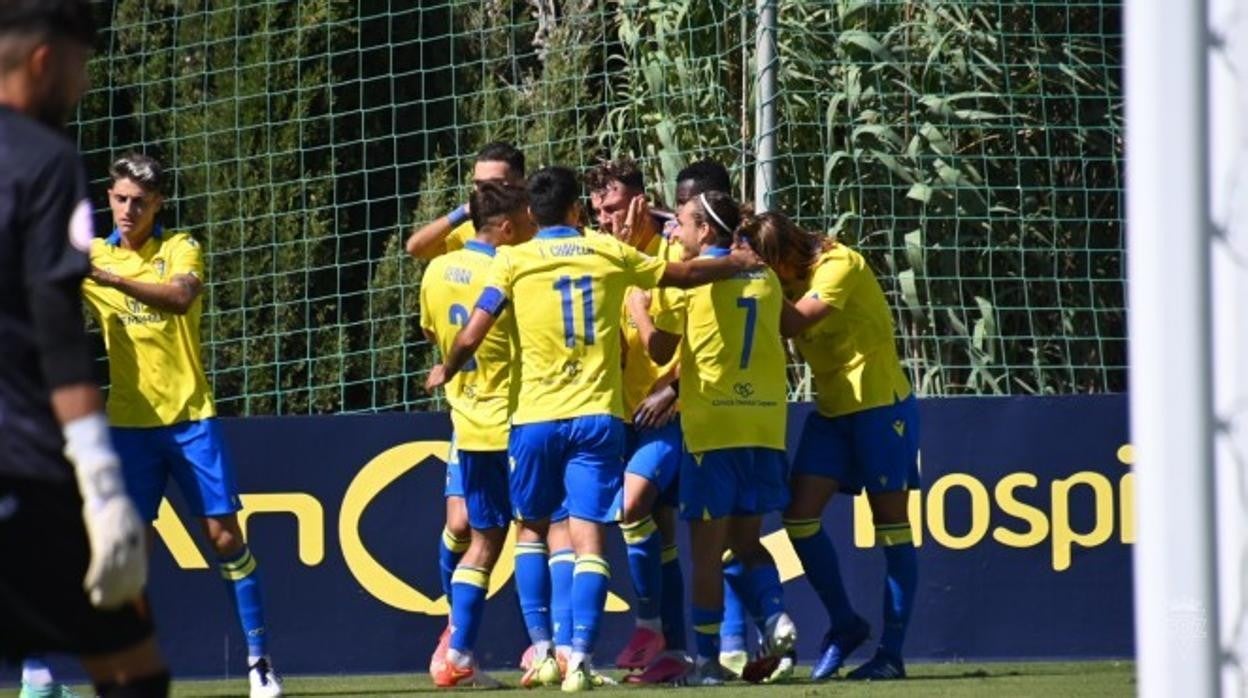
{"x":143,"y":284}
{"x":634,"y":374}
{"x":563,"y":373}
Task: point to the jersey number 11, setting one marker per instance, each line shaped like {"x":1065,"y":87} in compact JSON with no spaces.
{"x":566,"y":285}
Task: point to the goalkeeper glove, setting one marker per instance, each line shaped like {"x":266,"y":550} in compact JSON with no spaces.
{"x":118,"y":568}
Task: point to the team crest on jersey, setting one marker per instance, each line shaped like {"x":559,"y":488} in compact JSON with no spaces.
{"x":159,"y":264}
{"x":743,"y":390}
{"x":572,"y":368}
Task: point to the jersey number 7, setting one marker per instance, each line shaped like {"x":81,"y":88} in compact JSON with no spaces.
{"x":750,"y":305}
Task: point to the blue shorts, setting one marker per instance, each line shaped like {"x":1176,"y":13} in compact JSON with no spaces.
{"x":745,"y":481}
{"x":655,"y":454}
{"x":454,"y":474}
{"x":455,"y":484}
{"x":575,"y":463}
{"x":192,"y":452}
{"x":875,"y":449}
{"x":486,"y":495}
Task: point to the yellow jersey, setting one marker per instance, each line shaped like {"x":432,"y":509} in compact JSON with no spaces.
{"x":733,"y":386}
{"x":566,"y":291}
{"x":459,"y":236}
{"x":479,"y":394}
{"x":852,"y":351}
{"x":155,"y":371}
{"x":640,"y":372}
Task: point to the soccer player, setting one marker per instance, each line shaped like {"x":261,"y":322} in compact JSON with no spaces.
{"x":617,"y":196}
{"x":657,"y":646}
{"x":145,"y":292}
{"x":733,"y":414}
{"x":702,"y":177}
{"x":72,"y":545}
{"x":497,"y":162}
{"x":864,"y":433}
{"x":567,"y":435}
{"x":480,"y":398}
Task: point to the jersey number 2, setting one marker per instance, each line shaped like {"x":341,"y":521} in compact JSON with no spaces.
{"x":459,"y":318}
{"x":564,"y":285}
{"x":750,"y":305}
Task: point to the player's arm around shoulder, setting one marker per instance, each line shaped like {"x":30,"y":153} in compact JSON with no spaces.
{"x":705,"y":270}
{"x":834,"y":278}
{"x":439,"y":236}
{"x":796,"y":318}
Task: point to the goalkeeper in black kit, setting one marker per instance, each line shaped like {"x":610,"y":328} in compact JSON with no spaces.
{"x":71,"y":544}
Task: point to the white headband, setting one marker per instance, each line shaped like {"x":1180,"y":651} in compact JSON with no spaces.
{"x":711,"y":212}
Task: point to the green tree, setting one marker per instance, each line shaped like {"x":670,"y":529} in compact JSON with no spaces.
{"x":972,"y":150}
{"x":235,"y":97}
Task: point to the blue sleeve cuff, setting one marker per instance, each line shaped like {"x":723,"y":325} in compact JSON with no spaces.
{"x":492,"y":301}
{"x":458,"y":215}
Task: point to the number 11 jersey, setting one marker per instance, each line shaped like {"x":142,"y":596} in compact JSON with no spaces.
{"x":565,"y":291}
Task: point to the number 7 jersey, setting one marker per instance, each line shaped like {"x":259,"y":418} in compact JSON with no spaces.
{"x":565,"y":292}
{"x":733,"y":385}
{"x":480,"y":394}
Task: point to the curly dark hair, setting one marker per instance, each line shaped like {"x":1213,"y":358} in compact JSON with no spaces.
{"x":622,"y":170}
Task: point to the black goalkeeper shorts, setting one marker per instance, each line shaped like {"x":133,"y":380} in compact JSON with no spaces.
{"x":44,"y":555}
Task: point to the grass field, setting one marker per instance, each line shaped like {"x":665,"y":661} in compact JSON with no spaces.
{"x":985,"y":679}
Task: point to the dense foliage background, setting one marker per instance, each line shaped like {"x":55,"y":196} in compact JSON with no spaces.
{"x":973,"y":150}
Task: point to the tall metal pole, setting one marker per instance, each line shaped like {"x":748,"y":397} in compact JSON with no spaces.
{"x":1168,"y":236}
{"x":767,"y":64}
{"x":1228,"y":168}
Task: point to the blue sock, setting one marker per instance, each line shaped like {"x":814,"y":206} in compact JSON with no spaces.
{"x":901,"y":583}
{"x":645,"y":566}
{"x":469,"y":586}
{"x":589,"y":600}
{"x":562,"y":566}
{"x":673,"y":607}
{"x":823,"y":570}
{"x":733,"y":631}
{"x":706,"y":629}
{"x":243,"y":583}
{"x":766,"y":595}
{"x":450,"y":549}
{"x":533,"y":587}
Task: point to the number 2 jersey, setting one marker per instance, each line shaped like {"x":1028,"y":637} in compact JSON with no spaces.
{"x":480,"y":394}
{"x":565,"y":291}
{"x":733,"y":385}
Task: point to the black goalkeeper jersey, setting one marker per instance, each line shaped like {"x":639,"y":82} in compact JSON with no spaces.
{"x":45,"y":232}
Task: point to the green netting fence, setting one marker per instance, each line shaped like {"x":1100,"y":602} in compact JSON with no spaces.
{"x":973,"y":150}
